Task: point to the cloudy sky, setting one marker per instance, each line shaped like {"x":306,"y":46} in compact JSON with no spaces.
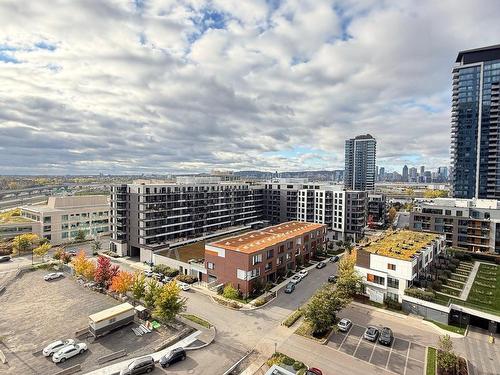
{"x":189,"y":86}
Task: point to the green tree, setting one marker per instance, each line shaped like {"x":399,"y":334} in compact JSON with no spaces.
{"x":169,"y":301}
{"x":42,"y":249}
{"x":231,"y":292}
{"x":322,"y":309}
{"x":348,"y":279}
{"x":446,"y":358}
{"x":24,"y":242}
{"x":139,"y":286}
{"x":80,"y":235}
{"x":152,"y":291}
{"x":96,"y":246}
{"x":391,"y":215}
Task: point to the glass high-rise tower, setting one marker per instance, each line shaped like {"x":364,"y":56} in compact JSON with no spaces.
{"x":475,"y":130}
{"x":360,"y":153}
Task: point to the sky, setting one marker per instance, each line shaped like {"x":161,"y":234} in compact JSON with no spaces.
{"x":188,"y":86}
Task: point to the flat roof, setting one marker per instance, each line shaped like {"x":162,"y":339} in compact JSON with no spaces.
{"x":111,"y":312}
{"x":13,"y":217}
{"x":260,"y":239}
{"x":401,"y":244}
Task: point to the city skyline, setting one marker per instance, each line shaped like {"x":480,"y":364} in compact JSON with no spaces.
{"x":141,"y":88}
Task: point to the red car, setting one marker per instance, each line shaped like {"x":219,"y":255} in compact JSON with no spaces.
{"x":314,"y":371}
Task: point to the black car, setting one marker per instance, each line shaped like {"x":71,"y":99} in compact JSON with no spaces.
{"x":176,"y":355}
{"x":386,"y":336}
{"x":321,"y":265}
{"x":332,"y":279}
{"x":5,"y":258}
{"x":139,"y":366}
{"x":334,"y":259}
{"x":289,"y":288}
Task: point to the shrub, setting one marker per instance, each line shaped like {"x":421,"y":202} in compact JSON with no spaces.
{"x":448,"y":273}
{"x":298,"y":365}
{"x":292,"y":318}
{"x":259,"y":302}
{"x":231,"y":292}
{"x":188,"y":279}
{"x":437,"y":284}
{"x":452,"y":268}
{"x":421,"y":294}
{"x":288,"y":361}
{"x":57,"y":255}
{"x":442,"y":278}
{"x":392,"y":304}
{"x":165,"y":270}
{"x":455,"y":261}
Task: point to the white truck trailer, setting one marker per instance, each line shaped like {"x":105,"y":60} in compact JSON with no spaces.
{"x":107,"y":320}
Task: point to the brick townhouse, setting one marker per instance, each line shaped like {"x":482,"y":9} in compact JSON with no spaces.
{"x":261,"y":255}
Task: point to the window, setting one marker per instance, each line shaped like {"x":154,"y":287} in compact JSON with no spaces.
{"x":210,"y":265}
{"x":391,"y":266}
{"x":270,"y":253}
{"x":392,"y":283}
{"x":254,"y":273}
{"x":257,"y":258}
{"x":64,"y":235}
{"x":268,"y":266}
{"x":64,"y":217}
{"x":46,"y":219}
{"x":47,"y":228}
{"x":392,"y":296}
{"x":375,"y":279}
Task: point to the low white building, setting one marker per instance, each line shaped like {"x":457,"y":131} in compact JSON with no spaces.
{"x":390,"y":263}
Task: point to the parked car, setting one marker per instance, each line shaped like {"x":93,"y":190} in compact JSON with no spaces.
{"x":176,"y":355}
{"x":184,"y":286}
{"x":386,"y":336}
{"x":332,"y":279}
{"x":314,"y":371}
{"x":290,"y":287}
{"x":296,"y":279}
{"x":139,"y":366}
{"x":344,"y":325}
{"x":5,"y":258}
{"x":157,"y":276}
{"x":69,"y":351}
{"x":148,"y":273}
{"x":303,"y":273}
{"x":72,"y":253}
{"x":56,"y":346}
{"x":334,"y":259}
{"x":166,"y":279}
{"x":321,"y":265}
{"x":53,"y":276}
{"x":371,"y":334}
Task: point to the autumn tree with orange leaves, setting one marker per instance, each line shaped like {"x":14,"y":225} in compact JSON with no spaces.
{"x":83,"y":266}
{"x":122,"y":282}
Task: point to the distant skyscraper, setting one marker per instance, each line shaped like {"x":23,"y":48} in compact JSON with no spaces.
{"x":475,"y":123}
{"x":405,"y":173}
{"x":422,"y":170}
{"x":381,"y":174}
{"x":443,"y":173}
{"x":413,"y":174}
{"x":360,"y":154}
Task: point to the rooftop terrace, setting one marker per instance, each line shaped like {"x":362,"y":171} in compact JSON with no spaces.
{"x":260,"y":239}
{"x":403,"y":244}
{"x":13,"y":217}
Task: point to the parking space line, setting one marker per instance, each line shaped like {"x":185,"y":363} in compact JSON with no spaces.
{"x":357,"y":346}
{"x":345,"y":338}
{"x":373,"y":351}
{"x":390,"y":352}
{"x":407,"y":355}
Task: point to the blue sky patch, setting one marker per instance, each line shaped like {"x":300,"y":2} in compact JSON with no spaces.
{"x":45,"y":45}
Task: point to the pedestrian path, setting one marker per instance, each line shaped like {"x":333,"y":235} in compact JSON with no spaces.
{"x":470,"y":281}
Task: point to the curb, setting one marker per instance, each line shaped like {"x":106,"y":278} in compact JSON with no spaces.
{"x":212,"y":328}
{"x":444,"y":331}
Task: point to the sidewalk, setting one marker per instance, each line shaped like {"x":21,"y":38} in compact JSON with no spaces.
{"x":470,"y":281}
{"x":127,"y":261}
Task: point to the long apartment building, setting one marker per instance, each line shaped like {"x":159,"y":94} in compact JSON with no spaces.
{"x":149,"y":216}
{"x":261,"y":255}
{"x":472,"y":224}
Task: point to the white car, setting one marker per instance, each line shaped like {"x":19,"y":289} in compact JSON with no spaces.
{"x":68,"y":352}
{"x":344,"y":325}
{"x":183,"y":286}
{"x":303,"y":273}
{"x":56,"y":346}
{"x":295,"y":279}
{"x":148,"y":273}
{"x":53,"y":276}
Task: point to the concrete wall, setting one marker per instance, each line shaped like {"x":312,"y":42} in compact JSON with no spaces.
{"x":425,"y":311}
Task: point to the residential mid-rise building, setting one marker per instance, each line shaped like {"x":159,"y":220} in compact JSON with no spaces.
{"x":149,"y":216}
{"x":360,"y":155}
{"x":62,"y":218}
{"x":472,"y":224}
{"x":475,"y":127}
{"x":261,"y":256}
{"x":377,"y":210}
{"x":392,"y":262}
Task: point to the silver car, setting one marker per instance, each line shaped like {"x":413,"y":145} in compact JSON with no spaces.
{"x":56,"y":346}
{"x":53,"y":276}
{"x":344,"y":325}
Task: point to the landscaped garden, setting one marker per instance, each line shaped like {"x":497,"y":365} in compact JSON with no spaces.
{"x":443,"y":360}
{"x":485,"y":291}
{"x":287,"y":363}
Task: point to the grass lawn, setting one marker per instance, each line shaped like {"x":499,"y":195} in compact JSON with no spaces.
{"x":197,"y":320}
{"x":306,"y":330}
{"x":485,"y":291}
{"x":454,"y":329}
{"x":431,"y":361}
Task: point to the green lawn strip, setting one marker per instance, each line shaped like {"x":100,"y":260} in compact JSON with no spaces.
{"x":452,"y":292}
{"x":454,"y":329}
{"x":197,"y":320}
{"x":485,"y":292}
{"x":431,"y":361}
{"x":459,"y":278}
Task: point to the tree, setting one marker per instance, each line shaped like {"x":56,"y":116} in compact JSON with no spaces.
{"x":139,"y":286}
{"x":151,"y":293}
{"x":322,"y":309}
{"x":42,"y":249}
{"x":66,"y":258}
{"x":348,"y":279}
{"x":430,"y":193}
{"x":391,"y":215}
{"x":122,"y":282}
{"x":105,"y":271}
{"x":169,"y":301}
{"x":446,"y":358}
{"x":24,"y":242}
{"x":96,"y":246}
{"x":231,"y":292}
{"x":80,"y":236}
{"x":83,"y":266}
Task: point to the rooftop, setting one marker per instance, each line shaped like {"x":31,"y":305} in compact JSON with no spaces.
{"x":402,"y":244}
{"x":260,"y":239}
{"x":58,"y":204}
{"x":111,"y":312}
{"x":13,"y":217}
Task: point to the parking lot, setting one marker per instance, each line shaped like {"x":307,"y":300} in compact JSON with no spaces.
{"x":402,"y":357}
{"x":36,"y":313}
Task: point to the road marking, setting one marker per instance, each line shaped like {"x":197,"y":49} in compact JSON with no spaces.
{"x":407,"y":355}
{"x":373,"y":351}
{"x":346,"y":334}
{"x":357,"y":346}
{"x":390,"y":352}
